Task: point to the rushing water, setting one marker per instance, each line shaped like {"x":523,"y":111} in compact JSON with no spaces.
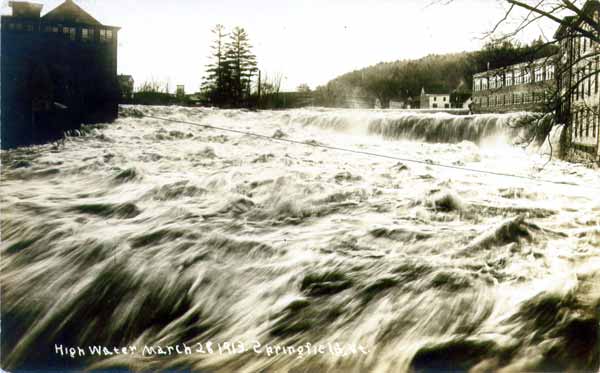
{"x":149,"y":233}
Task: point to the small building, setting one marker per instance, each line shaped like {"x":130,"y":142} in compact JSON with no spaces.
{"x":58,"y":71}
{"x":522,"y":87}
{"x":126,"y":85}
{"x":578,"y":82}
{"x":397,"y":104}
{"x":180,"y":91}
{"x":434,"y":100}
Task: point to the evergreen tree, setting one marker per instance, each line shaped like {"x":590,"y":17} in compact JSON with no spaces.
{"x":217,"y":81}
{"x":241,"y":63}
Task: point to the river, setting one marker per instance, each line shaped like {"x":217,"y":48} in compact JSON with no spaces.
{"x":146,"y":234}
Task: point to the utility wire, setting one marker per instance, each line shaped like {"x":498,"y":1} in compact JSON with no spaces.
{"x":427,"y":163}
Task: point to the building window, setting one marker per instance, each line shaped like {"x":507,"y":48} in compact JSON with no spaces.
{"x":527,"y":77}
{"x":582,"y":123}
{"x":596,"y":76}
{"x":595,"y":121}
{"x":87,"y":34}
{"x":576,"y":122}
{"x":589,"y":79}
{"x":550,"y":72}
{"x":106,"y":35}
{"x":587,"y":123}
{"x":29,"y":28}
{"x":539,"y":74}
{"x":70,"y":32}
{"x":577,"y":77}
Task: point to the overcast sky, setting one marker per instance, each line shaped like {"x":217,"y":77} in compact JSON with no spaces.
{"x":306,"y":41}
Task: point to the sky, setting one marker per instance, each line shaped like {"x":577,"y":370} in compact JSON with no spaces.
{"x":304,"y":42}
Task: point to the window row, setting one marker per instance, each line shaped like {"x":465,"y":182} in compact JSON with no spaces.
{"x":511,"y":99}
{"x":586,"y":80}
{"x":586,"y":123}
{"x":17,"y":26}
{"x":85,"y":34}
{"x":516,"y":77}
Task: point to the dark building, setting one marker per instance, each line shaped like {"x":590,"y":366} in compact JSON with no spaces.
{"x":58,"y":72}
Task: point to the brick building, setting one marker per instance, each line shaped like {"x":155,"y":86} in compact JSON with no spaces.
{"x":58,"y":71}
{"x":572,"y":76}
{"x":521,"y":87}
{"x":578,"y":81}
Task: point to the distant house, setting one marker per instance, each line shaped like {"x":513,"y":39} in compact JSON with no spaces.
{"x":58,"y":71}
{"x":521,"y":87}
{"x":397,"y":104}
{"x":126,"y":84}
{"x":434,"y":100}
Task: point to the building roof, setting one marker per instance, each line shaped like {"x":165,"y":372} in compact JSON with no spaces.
{"x":563,"y":27}
{"x":25,"y":9}
{"x":576,"y":20}
{"x":539,"y":62}
{"x":70,"y":12}
{"x":436,"y":92}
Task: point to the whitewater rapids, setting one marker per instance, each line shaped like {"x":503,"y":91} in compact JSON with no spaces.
{"x":145,"y":233}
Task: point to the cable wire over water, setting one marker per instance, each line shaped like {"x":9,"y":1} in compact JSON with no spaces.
{"x":371,"y":154}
